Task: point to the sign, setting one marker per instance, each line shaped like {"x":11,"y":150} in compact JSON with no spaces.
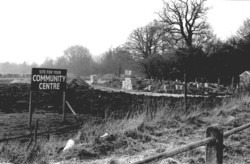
{"x":128,"y":72}
{"x":46,"y":79}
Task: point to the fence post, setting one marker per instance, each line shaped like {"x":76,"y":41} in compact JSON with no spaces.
{"x":214,"y":149}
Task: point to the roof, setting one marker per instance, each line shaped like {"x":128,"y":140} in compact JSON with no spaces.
{"x":245,"y":72}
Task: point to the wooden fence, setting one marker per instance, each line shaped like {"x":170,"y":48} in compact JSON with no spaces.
{"x":213,"y":142}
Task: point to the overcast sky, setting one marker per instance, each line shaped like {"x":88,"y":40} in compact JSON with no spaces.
{"x":31,"y":30}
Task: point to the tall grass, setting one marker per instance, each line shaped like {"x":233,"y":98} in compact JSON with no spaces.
{"x":130,"y":136}
{"x":40,"y":153}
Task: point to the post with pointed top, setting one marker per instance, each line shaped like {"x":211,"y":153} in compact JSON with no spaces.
{"x":214,"y":149}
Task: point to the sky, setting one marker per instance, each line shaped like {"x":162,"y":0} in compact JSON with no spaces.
{"x":33,"y":30}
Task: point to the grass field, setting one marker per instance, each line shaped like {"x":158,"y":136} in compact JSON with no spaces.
{"x":136,"y":138}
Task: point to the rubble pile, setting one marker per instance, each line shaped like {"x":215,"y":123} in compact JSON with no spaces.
{"x":167,"y":86}
{"x":193,"y":88}
{"x":128,"y":81}
{"x":114,"y":83}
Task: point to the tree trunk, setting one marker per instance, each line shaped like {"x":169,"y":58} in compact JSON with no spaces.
{"x":218,"y":80}
{"x":185,"y":91}
{"x":119,"y":71}
{"x":232,"y":84}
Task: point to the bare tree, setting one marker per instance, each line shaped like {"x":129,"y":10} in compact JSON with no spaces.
{"x":115,"y":61}
{"x":244,"y":30}
{"x":48,"y":63}
{"x":61,"y":62}
{"x":79,"y":60}
{"x":185,"y":22}
{"x":145,"y":41}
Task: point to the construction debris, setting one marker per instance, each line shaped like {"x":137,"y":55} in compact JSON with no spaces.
{"x":69,"y":144}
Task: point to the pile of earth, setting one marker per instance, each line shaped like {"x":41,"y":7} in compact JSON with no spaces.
{"x":84,"y":99}
{"x":77,"y":84}
{"x":15,"y":96}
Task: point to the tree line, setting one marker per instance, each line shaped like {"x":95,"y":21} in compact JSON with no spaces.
{"x":180,"y":42}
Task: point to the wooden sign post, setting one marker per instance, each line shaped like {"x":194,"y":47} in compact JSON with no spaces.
{"x":63,"y":106}
{"x":46,"y":79}
{"x":30,"y":109}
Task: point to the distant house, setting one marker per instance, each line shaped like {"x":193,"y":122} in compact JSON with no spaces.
{"x":245,"y":79}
